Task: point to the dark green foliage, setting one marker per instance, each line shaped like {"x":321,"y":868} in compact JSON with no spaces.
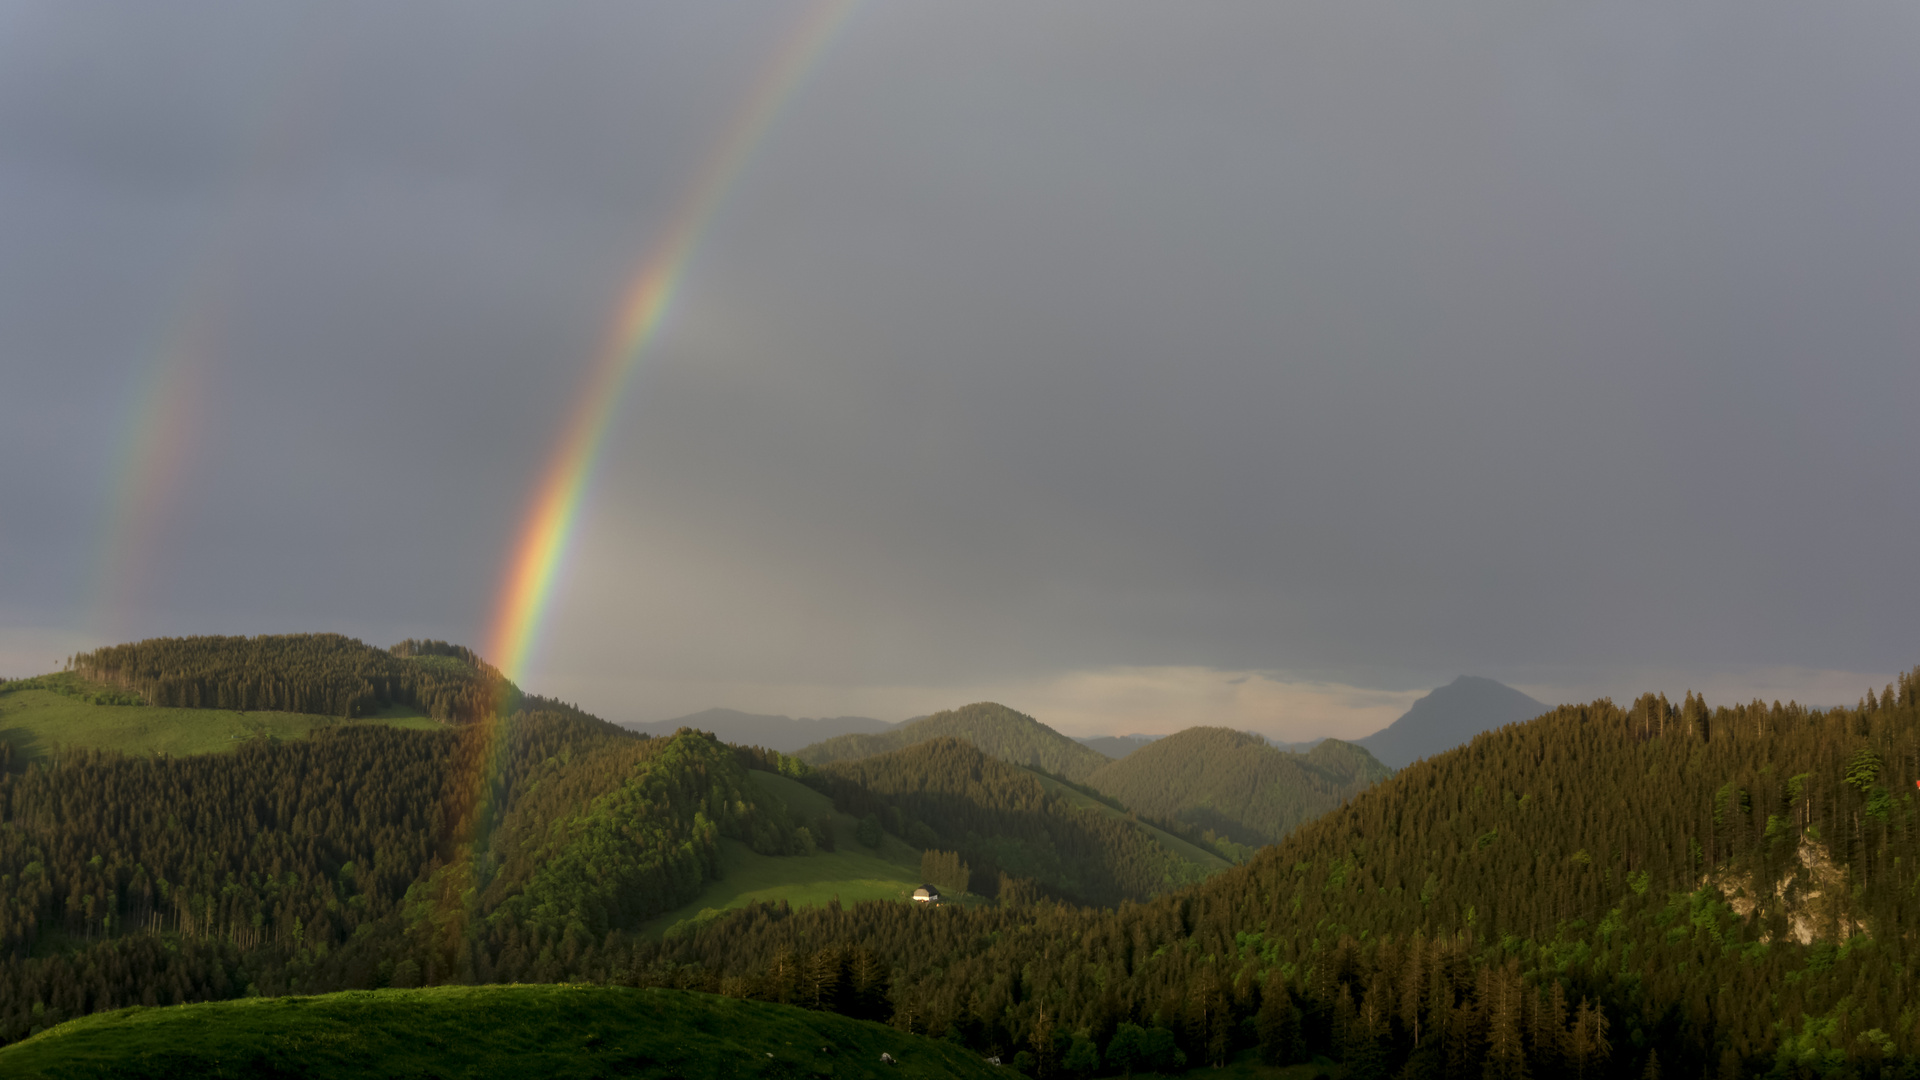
{"x":323,"y":674}
{"x":642,"y":848}
{"x":360,"y":857}
{"x":1235,"y":784}
{"x":946,"y":793}
{"x":944,"y":871}
{"x":998,"y":731}
{"x":869,"y":832}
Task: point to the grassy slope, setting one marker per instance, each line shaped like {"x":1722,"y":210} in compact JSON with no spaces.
{"x":38,"y":721}
{"x":1190,"y":852}
{"x":852,"y":873}
{"x":490,"y":1031}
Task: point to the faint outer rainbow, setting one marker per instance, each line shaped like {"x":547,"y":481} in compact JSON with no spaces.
{"x":166,"y":406}
{"x":155,"y":450}
{"x":548,"y":528}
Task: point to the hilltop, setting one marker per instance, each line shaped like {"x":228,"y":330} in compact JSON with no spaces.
{"x":998,"y":731}
{"x":493,"y":1031}
{"x":1448,"y":717}
{"x":1235,"y":784}
{"x":782,"y":733}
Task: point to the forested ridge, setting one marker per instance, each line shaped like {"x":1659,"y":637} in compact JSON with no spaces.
{"x":998,"y":731}
{"x":1236,"y":785}
{"x":360,"y":857}
{"x":325,"y":674}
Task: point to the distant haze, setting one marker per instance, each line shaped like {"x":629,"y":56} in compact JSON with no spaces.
{"x":1450,"y":716}
{"x":1138,"y":366}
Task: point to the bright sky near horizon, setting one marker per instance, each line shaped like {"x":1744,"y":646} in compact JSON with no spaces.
{"x":1135,"y":365}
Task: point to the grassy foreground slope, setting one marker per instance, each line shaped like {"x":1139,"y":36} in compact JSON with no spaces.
{"x":998,"y":731}
{"x":42,"y":715}
{"x":490,"y":1031}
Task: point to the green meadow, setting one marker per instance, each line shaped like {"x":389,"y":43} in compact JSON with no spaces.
{"x":504,"y":1032}
{"x":851,"y":873}
{"x":41,"y":716}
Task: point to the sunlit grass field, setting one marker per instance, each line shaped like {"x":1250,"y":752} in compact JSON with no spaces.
{"x":486,"y":1031}
{"x":39,"y":722}
{"x":853,"y":872}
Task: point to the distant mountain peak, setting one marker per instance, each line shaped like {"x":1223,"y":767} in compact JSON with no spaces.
{"x":1450,"y":716}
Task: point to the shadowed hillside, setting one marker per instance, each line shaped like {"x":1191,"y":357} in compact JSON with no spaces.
{"x":1450,"y":716}
{"x":1235,"y":784}
{"x":1115,"y":746}
{"x":947,"y":794}
{"x":997,"y":730}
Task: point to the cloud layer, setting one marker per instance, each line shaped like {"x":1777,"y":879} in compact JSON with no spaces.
{"x":1106,"y":351}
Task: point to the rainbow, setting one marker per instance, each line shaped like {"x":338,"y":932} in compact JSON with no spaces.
{"x":153,"y":457}
{"x":547,"y":531}
{"x":166,"y":407}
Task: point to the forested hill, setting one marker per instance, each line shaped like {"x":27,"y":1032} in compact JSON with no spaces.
{"x":946,"y":794}
{"x":997,"y":730}
{"x":1659,"y":890}
{"x":1237,"y":785}
{"x":782,"y":733}
{"x":362,"y":856}
{"x":1448,"y":717}
{"x":327,"y":674}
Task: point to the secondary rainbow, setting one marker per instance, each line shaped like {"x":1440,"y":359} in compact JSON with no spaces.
{"x":548,"y":527}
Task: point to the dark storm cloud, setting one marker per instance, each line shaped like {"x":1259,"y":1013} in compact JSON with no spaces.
{"x":1365,"y":343}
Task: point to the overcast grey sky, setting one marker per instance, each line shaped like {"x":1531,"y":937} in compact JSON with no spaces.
{"x":1138,"y":364}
